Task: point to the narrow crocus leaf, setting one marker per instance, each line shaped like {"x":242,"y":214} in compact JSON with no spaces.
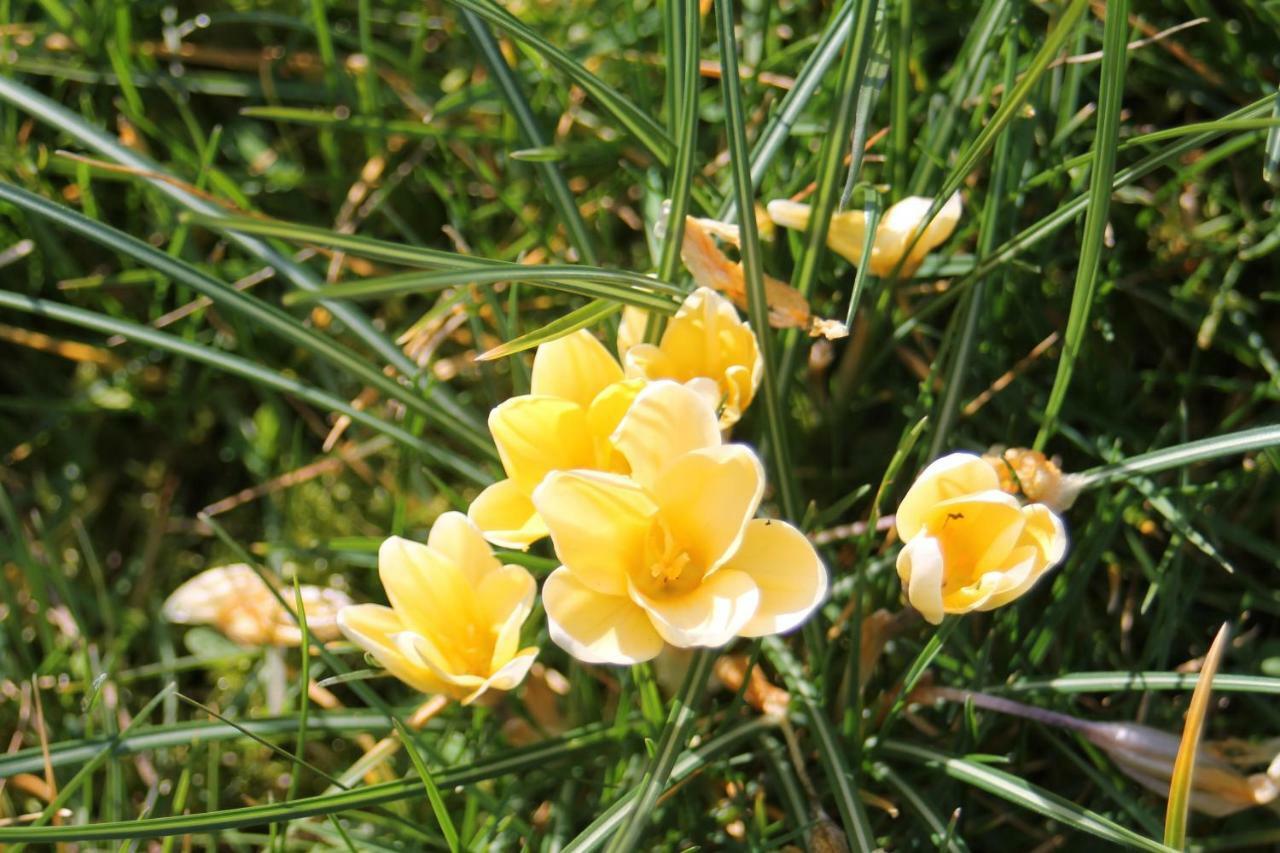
{"x":1175,"y":819}
{"x":588,"y":315}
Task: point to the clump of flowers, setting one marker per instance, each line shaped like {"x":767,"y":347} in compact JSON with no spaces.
{"x":236,"y":600}
{"x":671,"y":553}
{"x":454,"y":623}
{"x":892,"y":246}
{"x":969,"y":544}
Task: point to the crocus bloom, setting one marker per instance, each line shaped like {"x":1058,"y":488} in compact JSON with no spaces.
{"x":453,"y":626}
{"x":578,"y":395}
{"x":969,"y":545}
{"x":236,"y":601}
{"x":671,"y":553}
{"x":894,"y":231}
{"x":705,"y":339}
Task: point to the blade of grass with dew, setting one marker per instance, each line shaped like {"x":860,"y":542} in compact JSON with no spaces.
{"x":1022,"y":793}
{"x":433,"y":791}
{"x":245,"y":369}
{"x":753,"y":261}
{"x":46,"y":110}
{"x":671,"y":743}
{"x":1115,"y":57}
{"x":260,"y":313}
{"x":1184,"y":766}
{"x":590,"y":314}
{"x":532,"y":134}
{"x":1181,"y":455}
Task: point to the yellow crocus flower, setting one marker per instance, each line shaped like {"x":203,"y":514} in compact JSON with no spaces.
{"x":705,"y":339}
{"x":969,"y":545}
{"x":894,"y":231}
{"x":671,"y":553}
{"x":578,"y":395}
{"x":453,"y":626}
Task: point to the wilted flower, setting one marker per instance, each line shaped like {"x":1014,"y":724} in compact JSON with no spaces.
{"x":453,"y":626}
{"x":894,"y":231}
{"x":705,"y":339}
{"x":671,"y":553}
{"x":235,"y":600}
{"x":969,"y":545}
{"x":577,"y":397}
{"x":1035,"y":475}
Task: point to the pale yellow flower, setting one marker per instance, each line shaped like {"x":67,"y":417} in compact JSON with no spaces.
{"x":671,"y":553}
{"x":894,"y":231}
{"x":969,"y":545}
{"x":578,"y":396}
{"x":235,"y":600}
{"x":453,"y":626}
{"x":705,"y":339}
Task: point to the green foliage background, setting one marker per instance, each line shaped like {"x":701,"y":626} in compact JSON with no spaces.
{"x":552,"y":132}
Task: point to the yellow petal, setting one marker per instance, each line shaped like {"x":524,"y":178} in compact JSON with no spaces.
{"x":372,"y":628}
{"x":710,"y":615}
{"x":1044,"y":530}
{"x":575,"y":367}
{"x":647,"y":361}
{"x":537,"y":434}
{"x":458,"y":538}
{"x":597,"y":628}
{"x":666,"y":421}
{"x":787,"y":569}
{"x":920,"y":569}
{"x":598,"y":522}
{"x":631,"y":328}
{"x":977,"y":533}
{"x":949,"y":477}
{"x":428,"y":591}
{"x":706,"y":498}
{"x":899,"y":225}
{"x":507,"y":677}
{"x":603,"y":417}
{"x":507,"y":516}
{"x":506,"y":597}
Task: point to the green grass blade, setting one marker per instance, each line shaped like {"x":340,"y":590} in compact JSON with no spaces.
{"x":428,"y":782}
{"x":671,"y":743}
{"x":646,"y":131}
{"x":1110,"y":682}
{"x":532,"y":134}
{"x":580,"y":318}
{"x":753,"y":262}
{"x":1114,"y":60}
{"x":682,"y":174}
{"x":1022,"y":793}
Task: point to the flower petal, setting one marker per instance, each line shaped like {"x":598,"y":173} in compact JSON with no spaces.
{"x":372,"y":627}
{"x":428,"y":591}
{"x":507,"y":516}
{"x":604,"y":415}
{"x":459,"y":539}
{"x":631,"y":328}
{"x":575,"y":367}
{"x":598,"y":523}
{"x":537,"y":434}
{"x":597,"y":628}
{"x":711,"y":614}
{"x":508,"y":677}
{"x":506,"y":598}
{"x":920,"y":569}
{"x":976,"y":533}
{"x":706,"y":499}
{"x":666,"y":421}
{"x":787,"y":569}
{"x":949,"y":477}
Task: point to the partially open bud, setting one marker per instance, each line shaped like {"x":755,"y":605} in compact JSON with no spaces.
{"x":236,"y":601}
{"x":892,"y":247}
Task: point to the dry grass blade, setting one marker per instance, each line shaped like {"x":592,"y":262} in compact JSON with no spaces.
{"x":1175,"y":820}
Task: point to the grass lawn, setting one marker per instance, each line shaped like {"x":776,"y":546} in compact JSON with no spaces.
{"x":250,"y":252}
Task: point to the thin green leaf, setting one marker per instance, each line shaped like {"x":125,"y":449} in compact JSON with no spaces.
{"x":588,"y":315}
